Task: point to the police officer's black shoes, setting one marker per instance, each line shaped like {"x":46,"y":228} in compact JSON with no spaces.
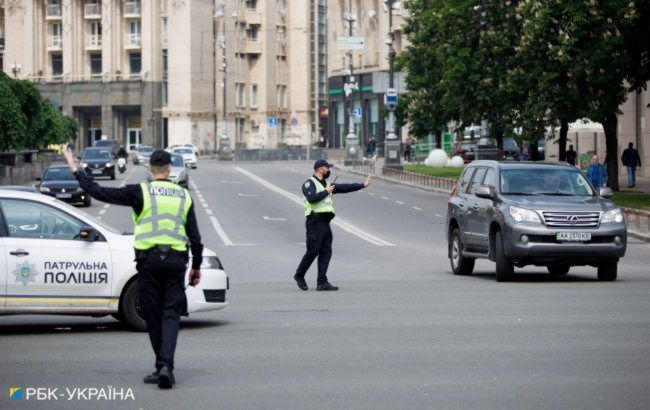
{"x":151,"y":378}
{"x":165,"y":378}
{"x":301,"y":282}
{"x":327,"y":286}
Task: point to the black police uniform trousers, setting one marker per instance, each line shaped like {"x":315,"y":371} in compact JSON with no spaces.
{"x":319,"y":244}
{"x":161,"y":295}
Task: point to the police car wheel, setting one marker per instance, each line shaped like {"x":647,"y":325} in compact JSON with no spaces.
{"x":130,"y":309}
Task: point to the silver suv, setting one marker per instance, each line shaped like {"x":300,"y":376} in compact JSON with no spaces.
{"x":525,"y":213}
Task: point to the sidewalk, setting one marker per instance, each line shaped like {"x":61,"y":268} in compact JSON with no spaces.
{"x":642,"y":183}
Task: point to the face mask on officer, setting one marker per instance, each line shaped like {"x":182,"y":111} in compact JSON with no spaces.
{"x":326,"y":174}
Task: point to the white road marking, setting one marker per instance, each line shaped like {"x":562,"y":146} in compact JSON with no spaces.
{"x":208,"y":211}
{"x":230,"y":182}
{"x":102,"y":211}
{"x":267,"y":218}
{"x":106,"y":206}
{"x":371,"y":193}
{"x":248,"y":195}
{"x":399,"y":202}
{"x":341,"y":223}
{"x":417,"y":209}
{"x":222,"y":234}
{"x":384,"y":197}
{"x":438,"y":215}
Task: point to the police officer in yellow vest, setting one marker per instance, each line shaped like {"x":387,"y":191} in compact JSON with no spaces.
{"x":319,"y":211}
{"x":164,"y":222}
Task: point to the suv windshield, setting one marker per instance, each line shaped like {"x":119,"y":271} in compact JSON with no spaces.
{"x":59,"y":174}
{"x":544,"y":181}
{"x":177,"y":161}
{"x":97,"y":154}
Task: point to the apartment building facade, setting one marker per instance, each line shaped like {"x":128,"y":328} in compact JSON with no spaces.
{"x":370,"y":67}
{"x":152,"y":72}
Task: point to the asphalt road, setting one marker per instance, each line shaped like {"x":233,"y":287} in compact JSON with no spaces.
{"x":402,"y":332}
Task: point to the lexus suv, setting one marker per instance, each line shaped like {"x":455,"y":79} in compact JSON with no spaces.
{"x":542,"y":214}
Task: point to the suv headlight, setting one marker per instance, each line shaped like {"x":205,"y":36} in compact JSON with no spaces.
{"x":524,"y":215}
{"x":612,"y":216}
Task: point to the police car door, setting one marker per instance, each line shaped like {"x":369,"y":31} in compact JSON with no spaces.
{"x":48,"y":264}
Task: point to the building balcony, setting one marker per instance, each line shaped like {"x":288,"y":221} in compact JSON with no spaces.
{"x":132,"y":9}
{"x":93,"y":11}
{"x":282,"y":47}
{"x":55,"y":43}
{"x":53,"y":12}
{"x":253,"y":17}
{"x":253,"y":47}
{"x":133,"y":42}
{"x":94,"y":42}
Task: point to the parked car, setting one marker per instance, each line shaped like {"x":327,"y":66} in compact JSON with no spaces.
{"x":142,"y":155}
{"x":179,"y":174}
{"x":467,"y":150}
{"x":59,"y":182}
{"x":62,"y":261}
{"x":112,"y":145}
{"x":98,"y":162}
{"x":511,"y":150}
{"x":189,"y":157}
{"x":542,"y":214}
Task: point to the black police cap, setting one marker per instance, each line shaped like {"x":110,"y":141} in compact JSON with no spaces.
{"x":322,"y":163}
{"x":160,"y":158}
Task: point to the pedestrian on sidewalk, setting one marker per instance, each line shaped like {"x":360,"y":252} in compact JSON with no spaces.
{"x":319,"y":211}
{"x":407,"y":150}
{"x":571,"y":156}
{"x":631,"y":160}
{"x":165,"y":223}
{"x":597,"y":173}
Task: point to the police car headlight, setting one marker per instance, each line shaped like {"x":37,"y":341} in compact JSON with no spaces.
{"x":524,"y":215}
{"x":612,"y":216}
{"x":211,"y":262}
{"x":45,"y":189}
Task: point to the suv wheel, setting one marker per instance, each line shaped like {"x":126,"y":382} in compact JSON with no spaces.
{"x":505,"y":268}
{"x":558,"y":269}
{"x":607,"y":271}
{"x":459,"y":264}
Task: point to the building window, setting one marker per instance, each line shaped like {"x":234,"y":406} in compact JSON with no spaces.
{"x":165,"y":87}
{"x":253,"y":95}
{"x":251,"y":4}
{"x":240,"y":91}
{"x":241,"y":30}
{"x":164,"y":26}
{"x":281,"y":96}
{"x":57,"y":65}
{"x":95,"y":65}
{"x":135,"y":64}
{"x":95,"y":34}
{"x":251,"y":33}
{"x":57,"y":34}
{"x":135,"y":30}
{"x":283,"y":130}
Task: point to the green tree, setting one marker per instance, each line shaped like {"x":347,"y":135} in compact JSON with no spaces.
{"x":31,"y":104}
{"x":13,"y":126}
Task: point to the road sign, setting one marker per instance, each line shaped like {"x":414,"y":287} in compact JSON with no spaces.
{"x":357,"y":112}
{"x":390,"y":98}
{"x":350,"y":43}
{"x":272,"y":122}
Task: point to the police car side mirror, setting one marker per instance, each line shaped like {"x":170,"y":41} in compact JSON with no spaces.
{"x":88,"y":233}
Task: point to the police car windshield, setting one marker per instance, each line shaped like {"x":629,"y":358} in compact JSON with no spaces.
{"x":59,"y":174}
{"x":90,"y":218}
{"x":544,"y":181}
{"x":177,"y":161}
{"x":97,"y":154}
{"x":183,"y":151}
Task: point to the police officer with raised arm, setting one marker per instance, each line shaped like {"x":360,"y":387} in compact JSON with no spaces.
{"x":319,"y":211}
{"x":164,"y":222}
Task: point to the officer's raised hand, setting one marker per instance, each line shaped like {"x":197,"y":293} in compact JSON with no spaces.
{"x":195,"y":277}
{"x":367,"y":181}
{"x":69,"y":158}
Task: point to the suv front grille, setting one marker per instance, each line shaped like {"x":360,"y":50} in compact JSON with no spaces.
{"x":571,"y":219}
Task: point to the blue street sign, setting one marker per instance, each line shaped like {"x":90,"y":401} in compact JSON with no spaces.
{"x":357,"y":112}
{"x":272,"y":122}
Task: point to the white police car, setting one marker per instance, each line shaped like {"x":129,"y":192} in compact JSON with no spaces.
{"x":55,"y":259}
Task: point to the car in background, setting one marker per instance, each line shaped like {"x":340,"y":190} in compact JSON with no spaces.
{"x":108,"y":144}
{"x":189,"y":157}
{"x":178,"y":174}
{"x":98,"y":162}
{"x":194,"y":148}
{"x":541,"y":149}
{"x":533,"y":213}
{"x":511,"y":151}
{"x":59,"y":182}
{"x":142,"y":155}
{"x":467,"y":150}
{"x":62,"y":261}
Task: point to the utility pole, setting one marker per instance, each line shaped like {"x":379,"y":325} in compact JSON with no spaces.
{"x":224,"y":143}
{"x":391,"y":142}
{"x":352,"y":148}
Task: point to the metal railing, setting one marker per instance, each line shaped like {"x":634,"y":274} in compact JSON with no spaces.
{"x":53,"y":10}
{"x":132,"y":8}
{"x":95,"y":40}
{"x":134,"y":39}
{"x":637,"y":220}
{"x":56,"y":41}
{"x":428,"y":181}
{"x":92,"y":9}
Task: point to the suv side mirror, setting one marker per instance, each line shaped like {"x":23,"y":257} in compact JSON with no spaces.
{"x":483,"y":192}
{"x":88,"y":233}
{"x":605,"y":192}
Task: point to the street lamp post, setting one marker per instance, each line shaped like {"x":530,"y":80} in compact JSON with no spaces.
{"x":391,"y":142}
{"x":352,"y":148}
{"x":224,"y":141}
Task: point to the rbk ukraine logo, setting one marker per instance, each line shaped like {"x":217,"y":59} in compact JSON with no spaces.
{"x":15,"y":393}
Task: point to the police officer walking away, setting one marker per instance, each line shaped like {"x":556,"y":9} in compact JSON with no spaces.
{"x":164,"y":221}
{"x":319,"y":210}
